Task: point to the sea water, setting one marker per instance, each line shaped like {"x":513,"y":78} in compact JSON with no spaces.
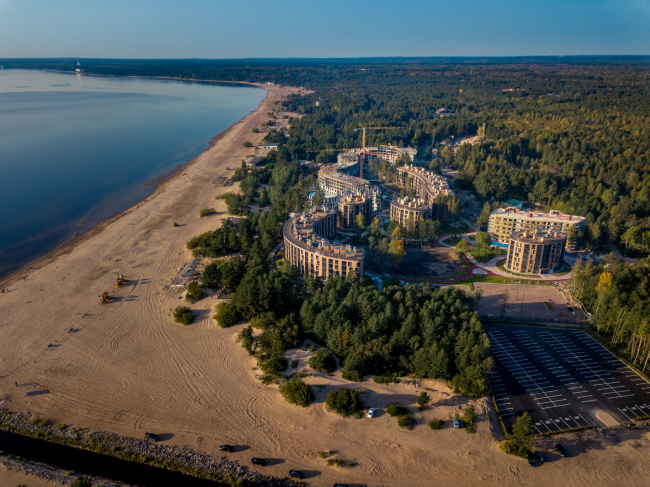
{"x":76,"y":149}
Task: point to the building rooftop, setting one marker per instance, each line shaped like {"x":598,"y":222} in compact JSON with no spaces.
{"x":411,"y":203}
{"x":538,"y":235}
{"x":354,"y":198}
{"x":300,"y":231}
{"x":553,"y":215}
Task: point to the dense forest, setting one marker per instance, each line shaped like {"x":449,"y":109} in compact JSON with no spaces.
{"x":618,"y":296}
{"x":573,"y":136}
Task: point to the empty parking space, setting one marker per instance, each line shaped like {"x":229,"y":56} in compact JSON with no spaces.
{"x":563,"y":378}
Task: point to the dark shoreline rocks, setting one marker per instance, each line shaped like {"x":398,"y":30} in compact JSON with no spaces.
{"x":171,"y":457}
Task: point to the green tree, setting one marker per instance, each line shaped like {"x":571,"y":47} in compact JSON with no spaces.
{"x":183,"y":315}
{"x":323,"y":361}
{"x":194,"y":292}
{"x":226,"y":314}
{"x":295,"y":391}
{"x":423,"y":400}
{"x":375,"y":227}
{"x":521,"y":440}
{"x":359,"y":224}
{"x":482,"y":243}
{"x":397,"y":251}
{"x":344,"y":401}
{"x":462,"y":247}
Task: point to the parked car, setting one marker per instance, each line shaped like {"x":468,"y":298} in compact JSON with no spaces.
{"x":340,"y":485}
{"x":456,"y":423}
{"x":540,"y":456}
{"x":534,"y":459}
{"x":371,"y":412}
{"x":258,"y":461}
{"x":561,"y":450}
{"x":295,"y":474}
{"x":227,"y":448}
{"x":152,"y":437}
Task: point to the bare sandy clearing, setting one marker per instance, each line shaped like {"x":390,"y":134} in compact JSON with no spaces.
{"x":127,"y":368}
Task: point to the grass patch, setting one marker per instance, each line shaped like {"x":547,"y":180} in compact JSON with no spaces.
{"x":488,"y":256}
{"x":42,"y":422}
{"x":548,"y":306}
{"x":572,"y":430}
{"x":502,"y":280}
{"x":452,"y":241}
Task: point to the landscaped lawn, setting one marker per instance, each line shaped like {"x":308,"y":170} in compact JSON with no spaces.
{"x":482,"y":259}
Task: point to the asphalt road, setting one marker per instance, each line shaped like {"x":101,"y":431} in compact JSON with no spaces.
{"x":563,"y":378}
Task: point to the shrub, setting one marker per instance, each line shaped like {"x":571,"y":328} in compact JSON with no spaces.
{"x":273,"y":365}
{"x":226,"y":314}
{"x":470,"y":419}
{"x":248,"y":144}
{"x":352,"y":375}
{"x":396,"y":409}
{"x":255,"y":130}
{"x":82,"y":482}
{"x":423,"y":400}
{"x":322,"y":361}
{"x":382,"y":379}
{"x":42,"y":422}
{"x":344,"y":401}
{"x":175,"y":224}
{"x":183,"y":315}
{"x":294,"y":364}
{"x":247,"y":340}
{"x":295,"y":391}
{"x":206,"y":212}
{"x":406,"y":421}
{"x":194,"y":292}
{"x":435,"y":424}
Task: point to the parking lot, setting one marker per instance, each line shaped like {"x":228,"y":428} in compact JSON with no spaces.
{"x":564,"y":378}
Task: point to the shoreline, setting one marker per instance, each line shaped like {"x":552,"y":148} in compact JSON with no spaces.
{"x":160,"y":182}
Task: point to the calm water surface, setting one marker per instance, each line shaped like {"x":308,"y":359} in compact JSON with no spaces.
{"x":75,"y":149}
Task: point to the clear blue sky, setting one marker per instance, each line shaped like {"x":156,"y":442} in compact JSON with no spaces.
{"x":220,"y":29}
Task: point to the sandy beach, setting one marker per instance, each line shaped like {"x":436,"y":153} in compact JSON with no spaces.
{"x":127,"y":368}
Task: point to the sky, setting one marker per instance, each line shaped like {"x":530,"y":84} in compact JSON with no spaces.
{"x":231,"y":29}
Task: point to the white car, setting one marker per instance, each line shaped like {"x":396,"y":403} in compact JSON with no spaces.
{"x":371,"y":413}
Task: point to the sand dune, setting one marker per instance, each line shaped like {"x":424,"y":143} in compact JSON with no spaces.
{"x":128,"y":368}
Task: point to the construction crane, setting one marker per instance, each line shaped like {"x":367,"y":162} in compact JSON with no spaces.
{"x":363,"y":143}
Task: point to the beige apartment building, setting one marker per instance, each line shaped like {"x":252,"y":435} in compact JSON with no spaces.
{"x":352,"y":205}
{"x":401,"y":209}
{"x":504,"y":221}
{"x":307,"y":246}
{"x":536,"y":251}
{"x":428,"y":186}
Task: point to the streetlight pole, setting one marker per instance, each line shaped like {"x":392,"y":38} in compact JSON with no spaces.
{"x":523,"y":295}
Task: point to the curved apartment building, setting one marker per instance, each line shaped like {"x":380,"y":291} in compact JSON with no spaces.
{"x":504,"y":221}
{"x":537,"y":251}
{"x":307,"y":246}
{"x":352,"y":205}
{"x":428,"y":186}
{"x":401,"y":209}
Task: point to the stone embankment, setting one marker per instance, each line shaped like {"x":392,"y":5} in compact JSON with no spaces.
{"x":171,"y":457}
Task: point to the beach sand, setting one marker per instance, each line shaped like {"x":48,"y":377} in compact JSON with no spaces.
{"x":128,"y":368}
